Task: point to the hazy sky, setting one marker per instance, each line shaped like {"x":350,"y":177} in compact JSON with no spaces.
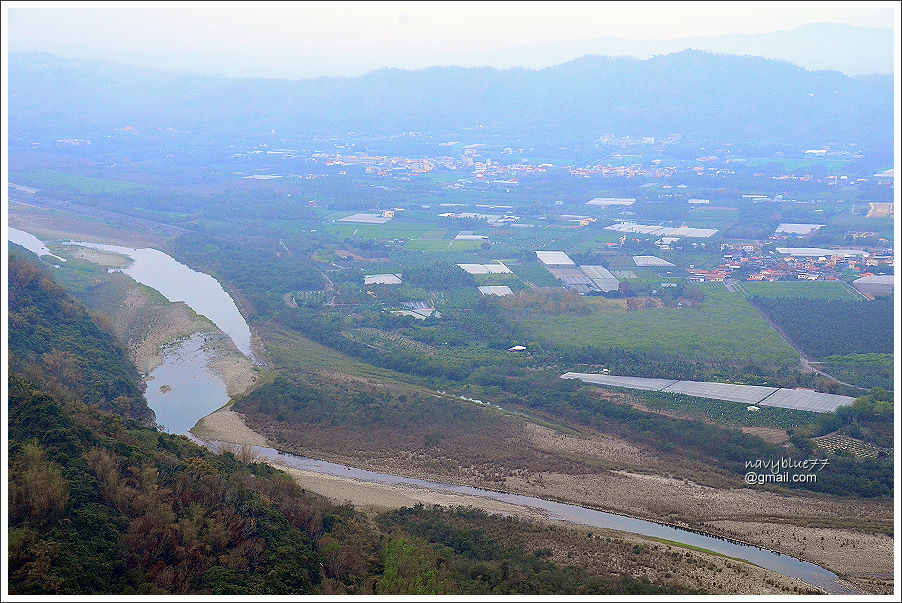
{"x":347,"y":38}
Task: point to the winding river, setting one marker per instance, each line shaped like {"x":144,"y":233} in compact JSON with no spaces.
{"x":179,"y":283}
{"x":182,"y":390}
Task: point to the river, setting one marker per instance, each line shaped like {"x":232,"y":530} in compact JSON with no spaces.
{"x":182,"y":389}
{"x":29,"y":242}
{"x":179,"y":283}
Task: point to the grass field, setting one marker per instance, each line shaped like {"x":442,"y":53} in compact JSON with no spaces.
{"x":598,"y":242}
{"x":291,"y":351}
{"x":389,"y":230}
{"x":434,"y":234}
{"x":884,"y":227}
{"x":652,"y":283}
{"x":442,"y":245}
{"x":85,"y":184}
{"x":725,"y":327}
{"x":799,"y":289}
{"x":553,"y":236}
{"x":719,"y":411}
{"x":534,"y":273}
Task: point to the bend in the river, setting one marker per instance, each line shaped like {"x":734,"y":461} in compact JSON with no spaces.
{"x":179,"y":283}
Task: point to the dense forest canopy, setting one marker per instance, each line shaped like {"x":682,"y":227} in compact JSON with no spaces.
{"x":54,"y":341}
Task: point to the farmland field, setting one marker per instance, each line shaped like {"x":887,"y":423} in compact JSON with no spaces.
{"x":831,"y":327}
{"x":864,"y":370}
{"x":720,"y":411}
{"x":799,"y":289}
{"x":433,"y":234}
{"x":389,"y":230}
{"x":85,"y":184}
{"x":725,"y":327}
{"x":442,"y":245}
{"x":832,"y":442}
{"x":535,"y":273}
{"x":598,"y":242}
{"x":510,"y":280}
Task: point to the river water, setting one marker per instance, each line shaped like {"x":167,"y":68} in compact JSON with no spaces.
{"x":29,"y":242}
{"x":179,"y":283}
{"x":182,"y":389}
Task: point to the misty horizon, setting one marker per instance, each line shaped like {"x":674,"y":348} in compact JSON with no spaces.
{"x":855,"y":46}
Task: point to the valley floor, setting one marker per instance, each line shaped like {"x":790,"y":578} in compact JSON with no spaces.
{"x":850,"y":537}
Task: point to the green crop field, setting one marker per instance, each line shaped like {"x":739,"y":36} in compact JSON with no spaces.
{"x":85,"y":184}
{"x":799,"y":289}
{"x":598,"y":242}
{"x":534,"y":273}
{"x":511,"y":280}
{"x":724,"y":327}
{"x":720,"y":411}
{"x":865,"y":370}
{"x":442,"y":245}
{"x":389,"y":230}
{"x":433,"y":234}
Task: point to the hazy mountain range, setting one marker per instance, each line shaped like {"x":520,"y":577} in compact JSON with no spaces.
{"x":818,"y":46}
{"x":837,"y":46}
{"x":697,"y":94}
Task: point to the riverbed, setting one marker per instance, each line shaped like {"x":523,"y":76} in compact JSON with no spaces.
{"x":782,"y":564}
{"x":182,"y":389}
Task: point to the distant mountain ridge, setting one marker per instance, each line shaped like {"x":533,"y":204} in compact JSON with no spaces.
{"x":838,"y":46}
{"x":816,"y":46}
{"x":720,"y":98}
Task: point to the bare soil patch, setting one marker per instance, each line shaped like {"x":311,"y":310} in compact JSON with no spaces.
{"x":226,"y":425}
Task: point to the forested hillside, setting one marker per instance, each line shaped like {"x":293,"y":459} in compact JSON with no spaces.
{"x":103,"y":504}
{"x":53,"y":340}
